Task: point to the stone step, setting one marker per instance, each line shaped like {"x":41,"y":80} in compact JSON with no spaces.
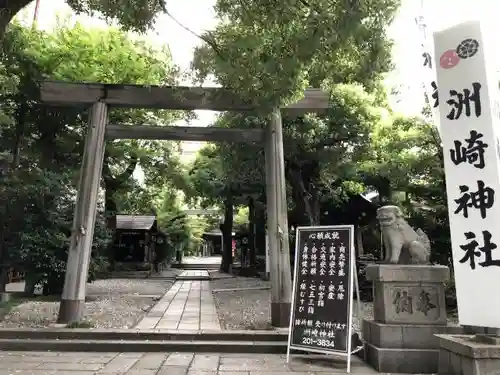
{"x":193,"y":275}
{"x":145,"y":335}
{"x":192,"y":278}
{"x":259,"y":347}
{"x":188,"y":266}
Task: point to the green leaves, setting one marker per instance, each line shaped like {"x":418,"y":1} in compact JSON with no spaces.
{"x":182,"y":229}
{"x":269,"y":51}
{"x":41,"y":146}
{"x":36,"y":221}
{"x":138,"y":15}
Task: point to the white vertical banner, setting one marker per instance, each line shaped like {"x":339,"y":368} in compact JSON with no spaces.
{"x":428,"y":71}
{"x":468,"y":95}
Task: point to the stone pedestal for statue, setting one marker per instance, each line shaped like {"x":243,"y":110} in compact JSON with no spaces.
{"x":469,"y":354}
{"x":409,"y":310}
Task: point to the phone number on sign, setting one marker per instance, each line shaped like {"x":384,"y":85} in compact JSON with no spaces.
{"x":318,"y":342}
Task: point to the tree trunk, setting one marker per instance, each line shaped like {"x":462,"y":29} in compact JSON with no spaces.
{"x":359,"y":241}
{"x":113,"y":184}
{"x":227,"y":231}
{"x":16,"y":158}
{"x":29,"y":286}
{"x":4,"y":279}
{"x":385,"y":191}
{"x":8,"y":10}
{"x":251,"y":233}
{"x":298,"y":213}
{"x":260,"y":230}
{"x":20,"y":126}
{"x":110,"y":206}
{"x":304,"y":184}
{"x":4,"y":269}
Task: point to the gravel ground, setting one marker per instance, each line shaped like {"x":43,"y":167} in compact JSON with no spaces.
{"x":237,"y":282}
{"x":250,"y":310}
{"x":112,"y":303}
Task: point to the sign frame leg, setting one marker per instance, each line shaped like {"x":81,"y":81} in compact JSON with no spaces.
{"x":351,"y":296}
{"x":295,"y":273}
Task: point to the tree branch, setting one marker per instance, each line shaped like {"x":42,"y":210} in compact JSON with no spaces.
{"x":114,"y":183}
{"x":8,"y":10}
{"x":210,"y":42}
{"x":330,"y":142}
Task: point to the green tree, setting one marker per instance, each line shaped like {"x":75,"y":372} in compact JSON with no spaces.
{"x":321,"y":154}
{"x":41,"y":146}
{"x":241,"y":218}
{"x":210,"y":186}
{"x":183,"y":231}
{"x":206,"y":178}
{"x":138,"y":15}
{"x":120,"y":60}
{"x":269,"y":52}
{"x":406,"y":156}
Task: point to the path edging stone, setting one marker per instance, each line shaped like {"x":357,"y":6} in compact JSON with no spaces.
{"x":144,"y":346}
{"x":131,"y":334}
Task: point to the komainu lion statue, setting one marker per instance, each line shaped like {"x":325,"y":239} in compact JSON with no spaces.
{"x":403,"y":245}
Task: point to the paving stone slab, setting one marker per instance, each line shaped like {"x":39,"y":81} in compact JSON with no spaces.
{"x":179,"y":359}
{"x":178,"y":364}
{"x":120,"y":364}
{"x":205,"y":362}
{"x":148,"y":322}
{"x":172,"y":370}
{"x":141,"y":372}
{"x":150,"y":361}
{"x":188,"y":305}
{"x":65,"y":366}
{"x":167,"y":325}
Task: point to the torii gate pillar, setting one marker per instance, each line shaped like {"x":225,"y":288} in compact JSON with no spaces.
{"x":277,"y":223}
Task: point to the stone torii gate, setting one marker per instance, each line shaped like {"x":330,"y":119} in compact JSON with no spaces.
{"x":99,"y":97}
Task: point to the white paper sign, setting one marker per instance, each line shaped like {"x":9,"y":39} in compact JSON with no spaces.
{"x":429,"y":79}
{"x":468,"y":92}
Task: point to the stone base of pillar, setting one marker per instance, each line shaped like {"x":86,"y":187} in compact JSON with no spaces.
{"x":468,"y":354}
{"x":404,"y":348}
{"x":409,"y":309}
{"x":280,"y":314}
{"x":71,"y":311}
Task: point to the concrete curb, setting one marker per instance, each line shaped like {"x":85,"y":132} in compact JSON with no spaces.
{"x":228,"y":290}
{"x":200,"y":266}
{"x":257,"y":347}
{"x":222,"y":277}
{"x":162,"y":278}
{"x":143,"y":335}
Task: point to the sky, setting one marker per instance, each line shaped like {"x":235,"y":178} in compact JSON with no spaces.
{"x":407,"y":54}
{"x":198,"y":16}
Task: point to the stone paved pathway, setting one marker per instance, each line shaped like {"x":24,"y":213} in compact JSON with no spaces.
{"x":188,"y":305}
{"x":45,"y":363}
{"x":216,"y":259}
{"x":193,"y":275}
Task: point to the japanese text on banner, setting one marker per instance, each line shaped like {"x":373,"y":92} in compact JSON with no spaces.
{"x":472,"y":168}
